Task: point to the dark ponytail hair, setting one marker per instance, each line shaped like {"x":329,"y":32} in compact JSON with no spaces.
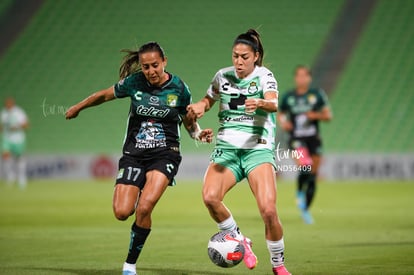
{"x":252,"y":39}
{"x":130,"y":63}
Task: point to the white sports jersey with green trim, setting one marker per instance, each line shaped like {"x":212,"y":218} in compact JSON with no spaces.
{"x":239,"y":130}
{"x":11,"y":122}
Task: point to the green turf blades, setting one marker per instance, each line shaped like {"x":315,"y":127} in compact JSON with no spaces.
{"x":69,"y":228}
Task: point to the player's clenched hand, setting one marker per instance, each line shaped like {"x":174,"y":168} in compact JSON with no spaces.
{"x":72,"y":112}
{"x":196,"y":110}
{"x":206,"y":135}
{"x":251,"y":105}
{"x":287,"y":126}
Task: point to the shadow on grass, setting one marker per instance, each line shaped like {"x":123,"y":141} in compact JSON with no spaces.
{"x":155,"y":271}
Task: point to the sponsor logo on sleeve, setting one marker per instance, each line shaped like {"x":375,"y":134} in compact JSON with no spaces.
{"x":271,"y":85}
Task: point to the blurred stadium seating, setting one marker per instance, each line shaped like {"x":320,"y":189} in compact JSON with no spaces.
{"x":4,"y":5}
{"x":61,"y":224}
{"x":373,"y":103}
{"x":71,"y":48}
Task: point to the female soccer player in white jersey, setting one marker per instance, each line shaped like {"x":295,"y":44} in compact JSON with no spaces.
{"x":13,"y":124}
{"x":151,"y":152}
{"x":247,"y":93}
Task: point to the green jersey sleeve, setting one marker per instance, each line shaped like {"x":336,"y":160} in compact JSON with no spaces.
{"x":214,"y":89}
{"x":124,"y":87}
{"x":185,"y":100}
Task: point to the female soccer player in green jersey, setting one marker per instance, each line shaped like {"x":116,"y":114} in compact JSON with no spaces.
{"x":247,"y":93}
{"x":151,"y":151}
{"x":301,"y":109}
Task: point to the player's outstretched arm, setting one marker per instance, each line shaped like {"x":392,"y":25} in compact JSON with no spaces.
{"x":92,"y":100}
{"x":197,"y":110}
{"x":24,"y":125}
{"x":324,"y":115}
{"x":195,"y":132}
{"x":284,"y":122}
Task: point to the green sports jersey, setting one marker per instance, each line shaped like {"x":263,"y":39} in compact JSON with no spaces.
{"x":296,"y":106}
{"x":155,"y":114}
{"x":239,"y":130}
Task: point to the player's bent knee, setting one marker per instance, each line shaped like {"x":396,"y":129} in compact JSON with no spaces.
{"x":121,"y":216}
{"x":144,"y":209}
{"x":122,"y":213}
{"x":211,"y":200}
{"x":269,"y":214}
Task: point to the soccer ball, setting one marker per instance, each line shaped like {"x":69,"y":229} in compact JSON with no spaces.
{"x":225,"y":250}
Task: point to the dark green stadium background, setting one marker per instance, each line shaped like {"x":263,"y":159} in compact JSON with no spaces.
{"x":71,"y":49}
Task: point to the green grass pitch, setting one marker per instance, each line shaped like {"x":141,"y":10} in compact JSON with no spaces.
{"x":68,"y":228}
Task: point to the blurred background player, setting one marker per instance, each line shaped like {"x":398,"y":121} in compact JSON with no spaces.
{"x":14,"y":123}
{"x":300,"y":111}
{"x":151,"y":152}
{"x":247,"y":93}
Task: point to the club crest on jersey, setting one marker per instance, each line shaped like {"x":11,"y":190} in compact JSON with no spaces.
{"x":312,"y":99}
{"x":172,"y":100}
{"x":252,"y":88}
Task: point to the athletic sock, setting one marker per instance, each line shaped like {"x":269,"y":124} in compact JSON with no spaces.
{"x":276,"y":250}
{"x":302,"y":180}
{"x":129,"y":267}
{"x":301,"y":189}
{"x":228,"y":224}
{"x":310,"y":191}
{"x":8,"y":170}
{"x":138,"y":237}
{"x":21,"y":172}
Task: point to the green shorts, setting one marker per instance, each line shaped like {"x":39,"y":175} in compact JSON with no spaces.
{"x":16,"y":149}
{"x":242,"y":161}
